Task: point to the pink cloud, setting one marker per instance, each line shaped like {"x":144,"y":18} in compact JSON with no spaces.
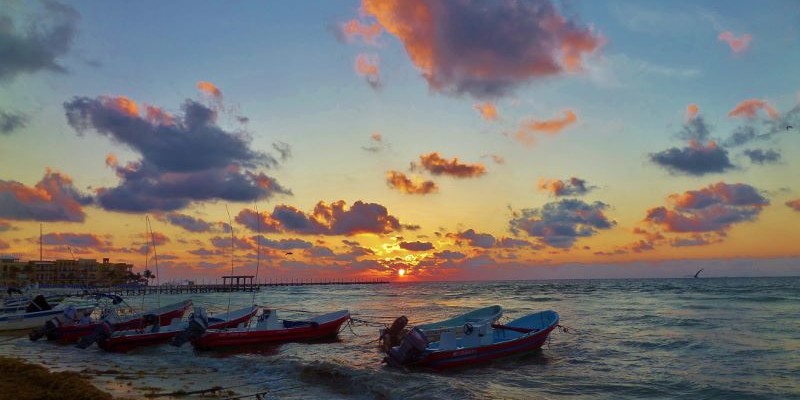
{"x":354,"y":28}
{"x":367,"y":65}
{"x":488,"y":111}
{"x":749,"y":109}
{"x":737,"y":45}
{"x":484,"y":48}
{"x":528,"y":130}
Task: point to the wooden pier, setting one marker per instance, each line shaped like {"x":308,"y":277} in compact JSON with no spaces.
{"x":227,"y":287}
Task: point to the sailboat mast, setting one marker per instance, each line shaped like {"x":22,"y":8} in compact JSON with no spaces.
{"x":40,"y":242}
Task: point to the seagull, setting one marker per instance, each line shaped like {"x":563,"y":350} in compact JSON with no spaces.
{"x":789,"y":127}
{"x":288,"y":253}
{"x":698,"y":273}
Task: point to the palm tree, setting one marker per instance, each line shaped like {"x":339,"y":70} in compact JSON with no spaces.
{"x":147,"y":274}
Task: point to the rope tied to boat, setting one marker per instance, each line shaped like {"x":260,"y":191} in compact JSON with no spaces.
{"x":565,"y":329}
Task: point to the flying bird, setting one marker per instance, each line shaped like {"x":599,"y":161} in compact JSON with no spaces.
{"x":698,"y":273}
{"x":789,"y":127}
{"x":288,"y":253}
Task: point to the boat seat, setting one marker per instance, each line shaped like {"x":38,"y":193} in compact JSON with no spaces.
{"x":471,"y":340}
{"x":269,"y":320}
{"x":447,"y":341}
{"x":485,"y":334}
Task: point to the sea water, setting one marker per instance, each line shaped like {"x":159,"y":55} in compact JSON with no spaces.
{"x":710,"y":338}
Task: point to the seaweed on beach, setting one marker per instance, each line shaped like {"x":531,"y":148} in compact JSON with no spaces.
{"x":26,"y":381}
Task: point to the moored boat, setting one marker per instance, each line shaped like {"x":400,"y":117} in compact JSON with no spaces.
{"x":28,"y":320}
{"x":121,"y":341}
{"x":270,"y":329}
{"x":479,"y":343}
{"x":391,"y":337}
{"x":71,"y":331}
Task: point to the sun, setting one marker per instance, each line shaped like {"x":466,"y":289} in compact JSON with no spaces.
{"x":401,"y":272}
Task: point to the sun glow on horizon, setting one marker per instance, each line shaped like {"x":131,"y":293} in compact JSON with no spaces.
{"x":401,"y":272}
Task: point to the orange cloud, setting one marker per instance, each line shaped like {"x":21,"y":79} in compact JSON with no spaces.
{"x":354,"y":28}
{"x":209,"y":89}
{"x":367,"y":66}
{"x":525,"y":134}
{"x":749,"y":109}
{"x":691,"y":111}
{"x":488,"y":110}
{"x":737,"y":45}
{"x":122,"y":104}
{"x":398,"y":180}
{"x":111,"y":160}
{"x":158,"y":116}
{"x":437,"y":165}
{"x":376,"y":136}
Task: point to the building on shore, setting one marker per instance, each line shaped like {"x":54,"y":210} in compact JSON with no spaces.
{"x":83,"y":272}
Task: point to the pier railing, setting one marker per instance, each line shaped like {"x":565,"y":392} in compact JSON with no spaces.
{"x":134,"y":290}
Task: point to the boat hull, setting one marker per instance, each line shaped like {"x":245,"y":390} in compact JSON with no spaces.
{"x":232,"y":338}
{"x":447,"y":359}
{"x":127,"y":341}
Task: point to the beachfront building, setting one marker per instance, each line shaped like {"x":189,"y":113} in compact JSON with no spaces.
{"x":84,"y":272}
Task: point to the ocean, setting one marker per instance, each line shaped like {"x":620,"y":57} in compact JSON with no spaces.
{"x":708,"y":338}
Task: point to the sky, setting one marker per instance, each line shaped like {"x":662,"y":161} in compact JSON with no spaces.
{"x":403,"y":140}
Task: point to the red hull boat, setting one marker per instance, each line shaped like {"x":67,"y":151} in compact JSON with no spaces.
{"x":270,"y":330}
{"x":72,"y":333}
{"x":123,"y":341}
{"x":479,"y":344}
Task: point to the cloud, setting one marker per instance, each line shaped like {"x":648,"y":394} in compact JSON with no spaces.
{"x":714,"y":208}
{"x":190,"y":223}
{"x":335,"y":219}
{"x":528,"y":129}
{"x":399,"y":181}
{"x":483,"y":240}
{"x":485,"y":49}
{"x":691,"y":111}
{"x":209,"y":89}
{"x":737,"y":45}
{"x":695,"y":129}
{"x":191,"y":159}
{"x":436,"y":165}
{"x":794,"y":204}
{"x":225,"y":243}
{"x":5,"y":226}
{"x":73,"y":239}
{"x":498,"y":159}
{"x":258,"y":222}
{"x":759,"y":156}
{"x":39,"y":44}
{"x":353,"y":28}
{"x":378,"y":143}
{"x":749,"y":109}
{"x":696,"y":240}
{"x":567,"y":187}
{"x":487,"y":110}
{"x":559,"y":224}
{"x":283,"y":149}
{"x":695,"y":160}
{"x":367,"y":65}
{"x":54,"y":198}
{"x":416,"y":246}
{"x":283,"y":244}
{"x":741,"y":135}
{"x":10,"y":122}
{"x":450,"y":255}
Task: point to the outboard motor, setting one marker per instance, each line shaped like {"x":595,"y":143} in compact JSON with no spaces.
{"x":391,"y":337}
{"x":50,"y":329}
{"x":411,"y":347}
{"x":101,"y":333}
{"x":39,"y":303}
{"x":198,"y":323}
